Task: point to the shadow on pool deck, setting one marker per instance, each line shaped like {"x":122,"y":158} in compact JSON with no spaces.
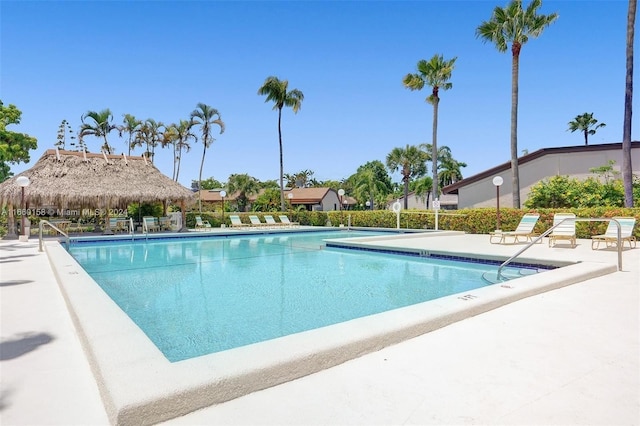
{"x":569,"y":356}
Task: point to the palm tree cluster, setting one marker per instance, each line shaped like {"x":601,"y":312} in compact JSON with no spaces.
{"x":512,"y":26}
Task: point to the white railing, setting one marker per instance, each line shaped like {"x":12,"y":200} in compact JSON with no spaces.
{"x":575,"y":219}
{"x":51,"y":225}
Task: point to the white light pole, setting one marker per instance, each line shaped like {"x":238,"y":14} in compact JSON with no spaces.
{"x":223,"y":194}
{"x":23,"y":182}
{"x":497,"y":181}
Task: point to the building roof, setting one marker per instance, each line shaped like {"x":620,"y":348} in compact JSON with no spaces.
{"x":453,"y":188}
{"x":66,"y":178}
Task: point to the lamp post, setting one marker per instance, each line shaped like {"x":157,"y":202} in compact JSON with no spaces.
{"x":497,"y":181}
{"x":290,"y":197}
{"x":341,"y":194}
{"x":223,"y":194}
{"x":23,"y":182}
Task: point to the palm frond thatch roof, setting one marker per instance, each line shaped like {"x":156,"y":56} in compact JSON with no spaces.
{"x":67,"y":178}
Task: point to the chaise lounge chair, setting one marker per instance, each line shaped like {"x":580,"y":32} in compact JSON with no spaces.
{"x":202,"y":224}
{"x":610,"y":237}
{"x":565,"y":231}
{"x":271,"y":221}
{"x":236,"y":222}
{"x":256,"y":222}
{"x":523,"y":230}
{"x":285,"y":221}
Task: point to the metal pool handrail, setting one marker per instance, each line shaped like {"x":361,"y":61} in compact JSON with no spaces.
{"x":46,"y":222}
{"x":575,"y":219}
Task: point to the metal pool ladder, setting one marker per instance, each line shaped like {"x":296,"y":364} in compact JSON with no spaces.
{"x":548,"y":231}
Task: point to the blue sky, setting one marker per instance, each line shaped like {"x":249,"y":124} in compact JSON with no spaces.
{"x":158,"y":59}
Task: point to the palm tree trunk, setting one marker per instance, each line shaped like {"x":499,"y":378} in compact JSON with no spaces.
{"x":514,"y":126}
{"x":204,"y":151}
{"x":282,"y":206}
{"x":627,"y":175}
{"x":406,"y":192}
{"x":586,"y":137}
{"x":178,"y":167}
{"x":434,"y":149}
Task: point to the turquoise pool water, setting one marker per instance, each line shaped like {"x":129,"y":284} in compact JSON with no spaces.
{"x":195,"y":296}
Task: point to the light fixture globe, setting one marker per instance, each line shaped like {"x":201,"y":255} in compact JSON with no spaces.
{"x":223,"y":194}
{"x":23,"y":181}
{"x":497,"y":181}
{"x":341,"y":192}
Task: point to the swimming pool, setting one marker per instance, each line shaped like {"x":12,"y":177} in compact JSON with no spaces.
{"x":196,"y":296}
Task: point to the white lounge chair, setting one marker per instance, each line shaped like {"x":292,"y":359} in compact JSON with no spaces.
{"x":523,"y":230}
{"x":236,"y":222}
{"x":271,"y":221}
{"x":256,"y":222}
{"x":565,"y":231}
{"x":202,"y":224}
{"x":610,"y":237}
{"x":285,"y":220}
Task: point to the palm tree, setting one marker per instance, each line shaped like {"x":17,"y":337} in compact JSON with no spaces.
{"x":276,"y":90}
{"x":129,"y":125}
{"x":434,"y":73}
{"x":100,"y":126}
{"x":205,"y":117}
{"x":184,"y":134}
{"x":586,"y":124}
{"x":244,"y":185}
{"x":421,"y":188}
{"x":170,"y":137}
{"x":514,"y":25}
{"x":371,"y":180}
{"x":411,"y":162}
{"x":627,"y":170}
{"x":149,"y":134}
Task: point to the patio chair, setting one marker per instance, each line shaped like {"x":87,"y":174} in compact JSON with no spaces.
{"x":523,"y":230}
{"x":256,"y":222}
{"x":236,"y":222}
{"x":285,"y":220}
{"x":610,"y":237}
{"x":566,"y":231}
{"x":202,"y":224}
{"x":149,"y":224}
{"x":272,"y":222}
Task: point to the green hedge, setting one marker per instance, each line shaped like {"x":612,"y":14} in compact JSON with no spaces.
{"x":471,"y":221}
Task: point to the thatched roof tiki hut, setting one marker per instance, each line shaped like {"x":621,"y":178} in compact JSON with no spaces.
{"x":69,"y":179}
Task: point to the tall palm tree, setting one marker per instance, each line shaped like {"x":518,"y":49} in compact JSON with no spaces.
{"x":276,"y":90}
{"x":411,"y":162}
{"x":514,"y":25}
{"x":586,"y":124}
{"x":205,"y":117}
{"x":99,"y":125}
{"x":149,"y":134}
{"x":130,"y":125}
{"x":169,"y":138}
{"x":627,"y":175}
{"x":244,"y":185}
{"x":184,"y":134}
{"x":434,"y":73}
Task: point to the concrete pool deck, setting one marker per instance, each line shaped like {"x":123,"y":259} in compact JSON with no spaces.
{"x":567,"y":356}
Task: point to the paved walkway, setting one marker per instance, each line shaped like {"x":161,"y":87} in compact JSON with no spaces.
{"x":567,"y":357}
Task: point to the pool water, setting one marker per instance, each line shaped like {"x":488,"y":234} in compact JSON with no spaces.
{"x":196,"y":296}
